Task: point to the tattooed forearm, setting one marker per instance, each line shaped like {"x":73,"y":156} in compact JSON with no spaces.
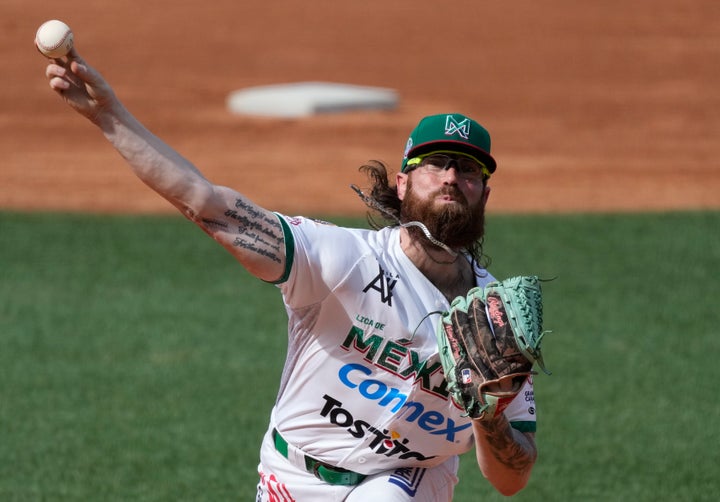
{"x":252,"y":211}
{"x":256,"y":239}
{"x":250,"y":246}
{"x":257,"y":232}
{"x":253,"y":220}
{"x":510,"y":447}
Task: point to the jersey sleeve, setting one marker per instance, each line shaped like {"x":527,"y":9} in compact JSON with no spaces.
{"x":319,"y":256}
{"x":521,"y":412}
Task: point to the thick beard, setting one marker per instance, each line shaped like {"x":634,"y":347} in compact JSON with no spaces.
{"x":458,"y":226}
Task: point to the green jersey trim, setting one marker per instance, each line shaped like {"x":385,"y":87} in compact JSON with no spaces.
{"x":289,"y":250}
{"x":524,"y":426}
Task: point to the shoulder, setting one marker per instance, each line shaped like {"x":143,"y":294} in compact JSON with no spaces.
{"x":303,"y":227}
{"x":318,"y":247}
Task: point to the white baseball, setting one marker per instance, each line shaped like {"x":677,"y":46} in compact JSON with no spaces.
{"x":54,"y":39}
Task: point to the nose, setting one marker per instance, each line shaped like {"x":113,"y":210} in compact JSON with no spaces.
{"x":450,"y":173}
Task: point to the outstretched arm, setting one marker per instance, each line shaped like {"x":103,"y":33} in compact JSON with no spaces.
{"x":505,"y":455}
{"x":252,"y":234}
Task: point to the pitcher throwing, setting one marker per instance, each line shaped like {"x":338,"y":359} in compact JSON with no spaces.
{"x":364,"y":411}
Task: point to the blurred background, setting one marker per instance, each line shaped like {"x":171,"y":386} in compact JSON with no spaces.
{"x":138,"y":361}
{"x":592,"y":106}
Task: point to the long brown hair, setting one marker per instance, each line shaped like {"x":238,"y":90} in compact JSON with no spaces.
{"x":385,"y":206}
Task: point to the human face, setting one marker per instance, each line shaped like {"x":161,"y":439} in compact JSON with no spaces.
{"x":452,"y":207}
{"x":443,"y":177}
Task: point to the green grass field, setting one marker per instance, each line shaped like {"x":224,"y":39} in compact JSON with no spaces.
{"x":139,"y":362}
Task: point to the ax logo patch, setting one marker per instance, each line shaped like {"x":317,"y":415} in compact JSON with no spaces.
{"x":383,"y":283}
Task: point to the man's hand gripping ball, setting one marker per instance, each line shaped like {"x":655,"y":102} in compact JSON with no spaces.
{"x":489,"y":341}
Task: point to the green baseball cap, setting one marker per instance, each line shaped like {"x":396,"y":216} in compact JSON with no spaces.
{"x":449,"y":132}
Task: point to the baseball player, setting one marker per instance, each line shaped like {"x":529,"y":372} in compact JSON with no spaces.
{"x":363,"y":411}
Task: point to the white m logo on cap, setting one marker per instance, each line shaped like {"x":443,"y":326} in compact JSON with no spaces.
{"x":452,"y":126}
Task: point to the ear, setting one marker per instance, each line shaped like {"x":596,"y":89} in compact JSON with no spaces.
{"x":401,"y":180}
{"x":486,"y":195}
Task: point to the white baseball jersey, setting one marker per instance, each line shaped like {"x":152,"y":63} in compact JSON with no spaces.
{"x":363,"y":387}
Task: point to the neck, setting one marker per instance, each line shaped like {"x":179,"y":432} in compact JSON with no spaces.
{"x":451,"y":273}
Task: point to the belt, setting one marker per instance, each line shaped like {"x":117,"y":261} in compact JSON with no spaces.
{"x":321,"y":470}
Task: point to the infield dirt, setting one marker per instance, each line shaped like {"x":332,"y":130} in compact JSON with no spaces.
{"x":593,"y":106}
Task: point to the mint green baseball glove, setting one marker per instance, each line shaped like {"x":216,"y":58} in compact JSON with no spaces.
{"x":489,"y":341}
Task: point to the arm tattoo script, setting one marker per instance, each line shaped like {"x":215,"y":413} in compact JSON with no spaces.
{"x":257,"y":233}
{"x":214,"y":223}
{"x":510,"y":447}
